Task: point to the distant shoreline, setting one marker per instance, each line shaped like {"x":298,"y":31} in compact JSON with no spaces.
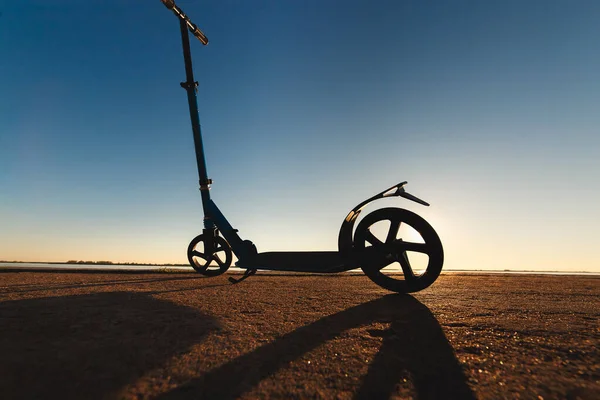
{"x":81,"y":262}
{"x":136,"y":267}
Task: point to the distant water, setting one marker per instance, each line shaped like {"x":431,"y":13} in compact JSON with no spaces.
{"x":154,"y":268}
{"x":93,"y":267}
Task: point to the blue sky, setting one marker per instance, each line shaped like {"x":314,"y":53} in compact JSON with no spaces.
{"x":489,"y":109}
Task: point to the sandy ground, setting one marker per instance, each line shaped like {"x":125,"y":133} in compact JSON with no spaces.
{"x":182,"y":336}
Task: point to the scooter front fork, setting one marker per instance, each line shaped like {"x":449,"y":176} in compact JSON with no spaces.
{"x":243,"y":249}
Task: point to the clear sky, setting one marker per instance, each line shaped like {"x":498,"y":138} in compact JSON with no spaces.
{"x":489,"y":109}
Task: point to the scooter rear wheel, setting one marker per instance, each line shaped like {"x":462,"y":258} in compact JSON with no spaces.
{"x":381,"y":241}
{"x":209,"y":258}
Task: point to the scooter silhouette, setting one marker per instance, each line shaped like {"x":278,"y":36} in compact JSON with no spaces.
{"x":367,"y":248}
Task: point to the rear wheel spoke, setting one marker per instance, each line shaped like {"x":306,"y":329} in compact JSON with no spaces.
{"x":406,"y":268}
{"x":373,"y":254}
{"x":369,"y":237}
{"x":411,"y":246}
{"x":378,"y":263}
{"x":393,"y":232}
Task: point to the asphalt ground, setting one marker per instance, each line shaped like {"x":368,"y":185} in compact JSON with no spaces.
{"x":76,"y":335}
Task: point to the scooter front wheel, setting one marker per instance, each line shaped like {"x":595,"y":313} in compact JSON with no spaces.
{"x":210,"y":256}
{"x":398,"y":250}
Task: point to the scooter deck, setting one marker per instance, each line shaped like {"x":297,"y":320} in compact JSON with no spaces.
{"x":298,"y":261}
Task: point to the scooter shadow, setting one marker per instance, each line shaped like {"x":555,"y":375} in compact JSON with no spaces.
{"x":414,"y":347}
{"x":90,"y":346}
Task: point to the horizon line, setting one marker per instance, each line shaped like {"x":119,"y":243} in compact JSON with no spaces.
{"x":116,"y":264}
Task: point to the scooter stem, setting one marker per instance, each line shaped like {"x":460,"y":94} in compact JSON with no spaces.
{"x":191,"y":88}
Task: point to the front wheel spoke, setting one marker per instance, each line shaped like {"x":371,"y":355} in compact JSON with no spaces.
{"x":221,"y":251}
{"x":406,"y":268}
{"x":209,"y":255}
{"x":218,"y":260}
{"x":196,"y":253}
{"x":201,"y":263}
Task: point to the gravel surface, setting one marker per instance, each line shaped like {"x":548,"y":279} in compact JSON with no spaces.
{"x":182,"y":336}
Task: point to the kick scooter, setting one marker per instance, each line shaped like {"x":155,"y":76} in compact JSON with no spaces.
{"x":367,"y":247}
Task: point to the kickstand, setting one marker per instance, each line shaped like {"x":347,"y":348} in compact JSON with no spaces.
{"x":249,"y":272}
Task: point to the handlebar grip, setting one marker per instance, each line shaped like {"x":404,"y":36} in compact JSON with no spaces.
{"x":170,"y":4}
{"x":198,"y":33}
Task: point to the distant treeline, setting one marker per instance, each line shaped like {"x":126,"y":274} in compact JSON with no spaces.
{"x":90,"y":262}
{"x":120,"y":263}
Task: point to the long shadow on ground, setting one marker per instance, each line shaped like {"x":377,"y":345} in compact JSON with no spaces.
{"x":414,"y":347}
{"x":90,"y":346}
{"x":35,"y":287}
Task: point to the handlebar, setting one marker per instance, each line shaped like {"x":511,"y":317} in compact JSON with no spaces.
{"x":170,"y":4}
